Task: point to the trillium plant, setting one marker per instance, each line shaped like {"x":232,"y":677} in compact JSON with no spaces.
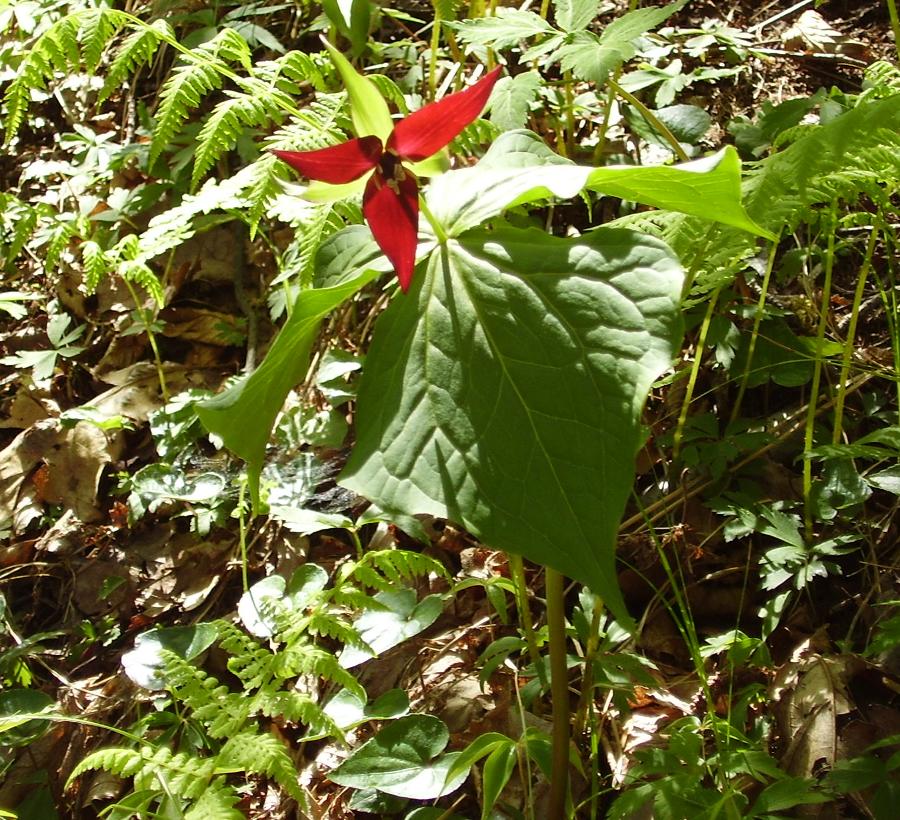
{"x":504,"y":386}
{"x":391,"y":197}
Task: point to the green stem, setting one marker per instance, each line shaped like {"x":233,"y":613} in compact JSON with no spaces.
{"x":587,"y":678}
{"x":569,"y":92}
{"x":517,"y":573}
{"x":692,"y":379}
{"x":559,"y":693}
{"x":432,"y":60}
{"x":242,"y":533}
{"x":658,"y":125}
{"x":435,"y":225}
{"x":545,"y":9}
{"x":895,"y":24}
{"x":147,"y":321}
{"x":754,"y":334}
{"x":851,"y":335}
{"x":808,"y":438}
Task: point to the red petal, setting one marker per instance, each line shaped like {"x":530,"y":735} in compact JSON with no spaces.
{"x":426,"y":131}
{"x":336,"y":164}
{"x":394,"y":220}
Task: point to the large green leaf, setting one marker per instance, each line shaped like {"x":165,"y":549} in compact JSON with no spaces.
{"x":519,"y":168}
{"x":505,"y":391}
{"x":243,"y":414}
{"x":403,"y":759}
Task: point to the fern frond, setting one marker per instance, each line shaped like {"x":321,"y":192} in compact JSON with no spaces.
{"x":390,"y":91}
{"x":134,"y":270}
{"x":313,"y":661}
{"x":18,"y":221}
{"x":96,"y":264}
{"x":262,"y":754}
{"x":217,"y":801}
{"x":354,"y":599}
{"x":60,"y":235}
{"x":137,"y":49}
{"x":199,"y":73}
{"x":58,"y":50}
{"x":332,"y":626}
{"x":121,"y":762}
{"x":300,"y":67}
{"x":98,"y":26}
{"x":296,"y":707}
{"x":227,"y":122}
{"x":406,"y":564}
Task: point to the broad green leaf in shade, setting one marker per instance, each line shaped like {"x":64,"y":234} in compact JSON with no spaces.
{"x":505,"y":391}
{"x":16,"y":730}
{"x":243,"y":414}
{"x":517,"y":169}
{"x":887,"y":480}
{"x":368,"y":110}
{"x":403,"y":617}
{"x":403,"y":759}
{"x":144,"y":664}
{"x":348,"y":709}
{"x":687,"y":123}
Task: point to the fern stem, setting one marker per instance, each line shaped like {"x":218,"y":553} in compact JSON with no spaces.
{"x":754,"y":334}
{"x":851,"y":335}
{"x":809,"y":434}
{"x":692,"y":379}
{"x":655,"y":122}
{"x":559,"y":692}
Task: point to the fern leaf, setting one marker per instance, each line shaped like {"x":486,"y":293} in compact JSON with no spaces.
{"x":121,"y":762}
{"x":331,"y":626}
{"x":60,"y":236}
{"x":217,"y":801}
{"x":300,"y":67}
{"x":98,"y":26}
{"x":139,"y":272}
{"x":225,"y":124}
{"x":262,"y":754}
{"x":96,"y":264}
{"x":296,"y":707}
{"x":314,"y":661}
{"x":200,"y":73}
{"x":136,"y":50}
{"x":396,"y":564}
{"x":55,"y":50}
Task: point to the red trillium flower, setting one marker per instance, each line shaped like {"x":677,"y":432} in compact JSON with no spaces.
{"x":391,"y":196}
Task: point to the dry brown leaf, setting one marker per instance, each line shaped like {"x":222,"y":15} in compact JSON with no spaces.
{"x":814,"y":34}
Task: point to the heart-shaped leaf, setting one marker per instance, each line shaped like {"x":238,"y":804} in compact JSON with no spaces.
{"x":403,"y":759}
{"x":505,"y":392}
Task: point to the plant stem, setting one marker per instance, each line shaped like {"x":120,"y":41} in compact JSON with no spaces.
{"x":587,"y":677}
{"x":655,"y":122}
{"x":151,"y":338}
{"x":435,"y":225}
{"x":895,"y":24}
{"x":692,"y":379}
{"x":754,"y":334}
{"x":242,"y":533}
{"x":808,"y":438}
{"x":559,"y":693}
{"x":851,"y":335}
{"x":517,"y":573}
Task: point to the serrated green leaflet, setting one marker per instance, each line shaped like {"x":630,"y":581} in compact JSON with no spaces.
{"x":505,"y":392}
